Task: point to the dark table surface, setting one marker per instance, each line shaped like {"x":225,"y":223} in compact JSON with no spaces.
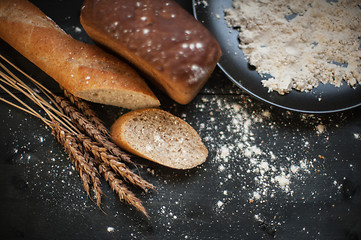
{"x":270,"y":173}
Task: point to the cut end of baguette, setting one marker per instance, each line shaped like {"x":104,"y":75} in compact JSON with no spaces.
{"x":118,"y":98}
{"x":161,"y":137}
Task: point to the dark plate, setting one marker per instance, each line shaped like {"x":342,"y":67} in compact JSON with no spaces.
{"x":323,"y":99}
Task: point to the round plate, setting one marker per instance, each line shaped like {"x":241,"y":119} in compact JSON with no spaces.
{"x":323,"y":99}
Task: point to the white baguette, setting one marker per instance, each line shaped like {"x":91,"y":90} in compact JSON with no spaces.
{"x":84,"y":70}
{"x":161,"y":137}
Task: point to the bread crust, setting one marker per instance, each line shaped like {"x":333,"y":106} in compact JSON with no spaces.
{"x":160,"y":38}
{"x":83,"y":69}
{"x":119,"y":127}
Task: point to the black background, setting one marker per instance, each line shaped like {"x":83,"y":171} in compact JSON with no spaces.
{"x":41,"y":196}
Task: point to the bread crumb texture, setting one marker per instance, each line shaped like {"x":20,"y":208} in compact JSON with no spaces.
{"x":119,"y":98}
{"x":299,"y":44}
{"x":161,"y":137}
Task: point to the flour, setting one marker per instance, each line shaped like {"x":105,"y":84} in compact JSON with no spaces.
{"x":262,"y":169}
{"x":356,"y":136}
{"x":299,"y":44}
{"x":201,"y":2}
{"x":320,"y":128}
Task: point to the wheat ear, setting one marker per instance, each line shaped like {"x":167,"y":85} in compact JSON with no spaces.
{"x":121,"y":190}
{"x":81,"y":163}
{"x":83,"y":123}
{"x":88,"y":112}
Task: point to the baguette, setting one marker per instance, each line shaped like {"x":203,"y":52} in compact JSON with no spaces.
{"x":159,"y":136}
{"x":84,"y":70}
{"x":160,"y":38}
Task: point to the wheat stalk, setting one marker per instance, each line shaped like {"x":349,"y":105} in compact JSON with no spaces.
{"x":86,"y":168}
{"x":105,"y":153}
{"x":120,"y":189}
{"x":90,"y":158}
{"x":109,"y":160}
{"x":88,"y":112}
{"x":63,"y":136}
{"x":83,"y":123}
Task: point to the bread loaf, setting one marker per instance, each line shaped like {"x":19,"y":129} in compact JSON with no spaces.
{"x":159,"y":136}
{"x":84,"y":70}
{"x":159,"y":37}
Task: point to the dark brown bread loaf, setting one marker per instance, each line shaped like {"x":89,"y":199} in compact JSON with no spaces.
{"x":84,"y":70}
{"x":159,"y":37}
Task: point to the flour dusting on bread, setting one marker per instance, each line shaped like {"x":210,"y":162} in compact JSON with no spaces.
{"x":160,"y":38}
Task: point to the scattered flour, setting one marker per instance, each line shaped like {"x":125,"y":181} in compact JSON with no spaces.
{"x":300,"y":43}
{"x":203,"y":2}
{"x":77,"y":29}
{"x":356,"y":135}
{"x":264,"y":168}
{"x":320,"y":128}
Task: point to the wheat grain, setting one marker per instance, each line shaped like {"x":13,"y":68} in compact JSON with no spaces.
{"x":88,"y":112}
{"x":83,"y":123}
{"x":101,"y":154}
{"x":121,"y":190}
{"x":91,"y":158}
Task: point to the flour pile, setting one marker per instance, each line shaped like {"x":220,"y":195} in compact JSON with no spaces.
{"x":300,"y":43}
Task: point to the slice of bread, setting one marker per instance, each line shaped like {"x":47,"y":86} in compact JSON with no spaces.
{"x":161,"y":137}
